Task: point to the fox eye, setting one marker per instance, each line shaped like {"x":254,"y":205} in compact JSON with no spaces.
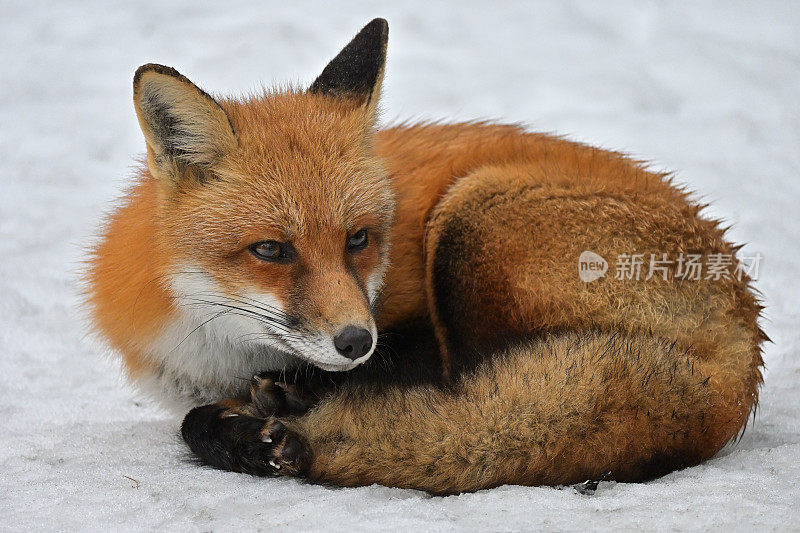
{"x":357,"y":241}
{"x":271,"y":251}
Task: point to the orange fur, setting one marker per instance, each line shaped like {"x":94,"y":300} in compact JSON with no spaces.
{"x":486,"y":223}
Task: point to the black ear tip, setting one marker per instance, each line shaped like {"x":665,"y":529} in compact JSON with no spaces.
{"x":377,"y":25}
{"x":356,"y":70}
{"x":154,"y":67}
{"x":376,"y":30}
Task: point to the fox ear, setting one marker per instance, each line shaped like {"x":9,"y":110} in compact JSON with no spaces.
{"x":357,"y":72}
{"x":186,"y":129}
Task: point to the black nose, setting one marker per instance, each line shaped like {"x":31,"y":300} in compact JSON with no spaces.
{"x":353,"y":342}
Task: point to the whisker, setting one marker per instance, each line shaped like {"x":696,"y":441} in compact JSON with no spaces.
{"x":261,"y":306}
{"x":266,"y":306}
{"x":197,"y":328}
{"x":273,"y":319}
{"x":256,"y":335}
{"x":248,"y":312}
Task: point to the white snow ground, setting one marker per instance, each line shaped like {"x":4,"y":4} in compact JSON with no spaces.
{"x":711,"y":90}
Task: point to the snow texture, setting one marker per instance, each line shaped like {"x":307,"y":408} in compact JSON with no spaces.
{"x":711,"y":90}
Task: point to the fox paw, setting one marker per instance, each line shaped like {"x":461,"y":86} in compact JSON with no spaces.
{"x":270,"y":395}
{"x":243,"y":443}
{"x":290,"y":453}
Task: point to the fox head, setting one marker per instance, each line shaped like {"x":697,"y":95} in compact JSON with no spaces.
{"x":275,"y":208}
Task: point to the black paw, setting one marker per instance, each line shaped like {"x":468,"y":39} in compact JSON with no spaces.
{"x":272,"y":395}
{"x":242,"y":443}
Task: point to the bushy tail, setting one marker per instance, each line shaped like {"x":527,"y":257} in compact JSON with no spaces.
{"x":556,"y":411}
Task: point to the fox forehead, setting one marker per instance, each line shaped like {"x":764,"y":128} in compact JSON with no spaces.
{"x":279,"y":128}
{"x":302,"y":166}
{"x":304,"y":212}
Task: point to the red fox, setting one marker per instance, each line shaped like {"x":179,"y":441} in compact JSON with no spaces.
{"x":403,"y":306}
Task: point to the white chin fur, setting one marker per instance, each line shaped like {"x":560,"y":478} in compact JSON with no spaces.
{"x":210,"y":351}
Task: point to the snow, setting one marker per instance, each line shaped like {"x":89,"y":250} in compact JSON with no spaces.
{"x":709,"y":89}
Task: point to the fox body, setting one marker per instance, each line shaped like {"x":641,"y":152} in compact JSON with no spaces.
{"x":283,"y":233}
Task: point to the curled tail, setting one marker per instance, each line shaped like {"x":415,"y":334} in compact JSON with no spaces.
{"x":555,"y":411}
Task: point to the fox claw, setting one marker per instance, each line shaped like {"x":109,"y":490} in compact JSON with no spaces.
{"x":270,"y":397}
{"x":251,"y":445}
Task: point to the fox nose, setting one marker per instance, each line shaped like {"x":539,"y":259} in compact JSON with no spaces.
{"x":353,"y":342}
